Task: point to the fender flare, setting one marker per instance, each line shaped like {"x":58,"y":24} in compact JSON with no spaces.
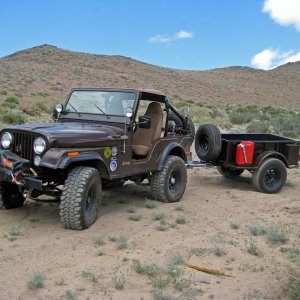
{"x":172,"y":149}
{"x":90,"y":159}
{"x":269,"y":154}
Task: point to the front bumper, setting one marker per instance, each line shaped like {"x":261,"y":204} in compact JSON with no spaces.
{"x":16,"y":170}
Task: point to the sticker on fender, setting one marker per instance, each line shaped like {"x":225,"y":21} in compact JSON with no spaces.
{"x":107,"y":152}
{"x":113,"y":165}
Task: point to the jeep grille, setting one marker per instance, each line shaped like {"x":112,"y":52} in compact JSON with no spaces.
{"x":22,"y":145}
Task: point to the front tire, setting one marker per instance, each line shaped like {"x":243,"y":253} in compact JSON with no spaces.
{"x":168,"y":185}
{"x":270,"y":176}
{"x":80,"y":199}
{"x":10,"y":196}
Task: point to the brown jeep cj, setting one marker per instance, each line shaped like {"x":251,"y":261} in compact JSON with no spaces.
{"x":100,"y":137}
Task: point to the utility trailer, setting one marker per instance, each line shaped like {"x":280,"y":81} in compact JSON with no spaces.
{"x":265,"y":156}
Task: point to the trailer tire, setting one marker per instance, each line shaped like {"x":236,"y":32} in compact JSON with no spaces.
{"x":208,"y":142}
{"x":190,"y":124}
{"x":229,"y":173}
{"x":270,"y":176}
{"x":10,"y":196}
{"x":168,"y":185}
{"x":80,"y":199}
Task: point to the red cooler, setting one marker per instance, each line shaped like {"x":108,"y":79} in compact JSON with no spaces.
{"x":244,"y":153}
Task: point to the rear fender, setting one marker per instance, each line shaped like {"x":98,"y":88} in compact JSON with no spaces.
{"x":172,"y":149}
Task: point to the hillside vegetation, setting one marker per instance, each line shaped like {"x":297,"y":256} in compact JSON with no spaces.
{"x":33,"y":80}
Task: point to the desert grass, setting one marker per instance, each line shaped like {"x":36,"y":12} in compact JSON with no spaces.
{"x":90,"y":276}
{"x":150,"y":203}
{"x":36,"y":280}
{"x":135,"y":217}
{"x":159,"y":215}
{"x":122,"y":242}
{"x":180,"y":219}
{"x":252,"y":247}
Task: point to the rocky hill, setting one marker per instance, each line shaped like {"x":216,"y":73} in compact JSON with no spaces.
{"x":47,"y":73}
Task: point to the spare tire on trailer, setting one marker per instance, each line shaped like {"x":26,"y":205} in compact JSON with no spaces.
{"x":208,"y":142}
{"x":190,"y":124}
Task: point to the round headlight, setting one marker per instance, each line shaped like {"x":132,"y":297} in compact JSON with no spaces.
{"x":39,"y":145}
{"x":6,"y":140}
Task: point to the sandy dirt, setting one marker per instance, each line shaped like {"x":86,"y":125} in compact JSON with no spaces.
{"x":32,"y":239}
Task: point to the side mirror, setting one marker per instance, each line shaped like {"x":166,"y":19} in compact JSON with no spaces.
{"x":57,"y":110}
{"x":144,"y":122}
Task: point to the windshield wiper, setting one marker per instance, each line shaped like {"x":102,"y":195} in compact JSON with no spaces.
{"x":99,"y":109}
{"x":79,"y":115}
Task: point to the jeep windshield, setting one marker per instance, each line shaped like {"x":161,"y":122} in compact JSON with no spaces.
{"x":113,"y":103}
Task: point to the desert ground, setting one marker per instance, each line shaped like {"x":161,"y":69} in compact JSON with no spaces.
{"x":221,"y":216}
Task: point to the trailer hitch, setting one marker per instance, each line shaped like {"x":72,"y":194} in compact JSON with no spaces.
{"x":190,"y":164}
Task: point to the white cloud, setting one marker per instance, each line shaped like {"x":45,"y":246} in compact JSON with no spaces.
{"x":284,"y":12}
{"x":163,"y":38}
{"x":183,"y":35}
{"x":263,"y":59}
{"x":269,"y":59}
{"x":160,"y":38}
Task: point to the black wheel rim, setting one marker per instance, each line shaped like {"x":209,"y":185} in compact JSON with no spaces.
{"x":90,"y":203}
{"x":204,"y":144}
{"x":272,"y":177}
{"x":174,"y":181}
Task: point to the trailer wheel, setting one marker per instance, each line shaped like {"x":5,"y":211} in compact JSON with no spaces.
{"x":229,"y":173}
{"x":168,"y":185}
{"x":10,"y":196}
{"x":208,"y":142}
{"x":80,"y":199}
{"x":270,"y":176}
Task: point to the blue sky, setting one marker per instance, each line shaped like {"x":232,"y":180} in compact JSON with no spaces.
{"x":191,"y":34}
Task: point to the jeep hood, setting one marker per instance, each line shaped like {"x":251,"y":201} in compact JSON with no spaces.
{"x":72,"y":134}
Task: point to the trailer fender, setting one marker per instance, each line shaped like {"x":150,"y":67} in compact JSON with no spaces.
{"x":172,"y":149}
{"x":269,"y":154}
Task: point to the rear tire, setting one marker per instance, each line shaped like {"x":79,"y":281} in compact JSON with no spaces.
{"x":270,"y":177}
{"x":208,"y":142}
{"x":80,"y":199}
{"x":168,"y":185}
{"x":229,"y":173}
{"x":10,"y":196}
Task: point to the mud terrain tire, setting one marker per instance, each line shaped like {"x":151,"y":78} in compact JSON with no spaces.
{"x":80,"y":199}
{"x":168,"y":185}
{"x":208,"y":142}
{"x":10,"y":197}
{"x":270,"y":177}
